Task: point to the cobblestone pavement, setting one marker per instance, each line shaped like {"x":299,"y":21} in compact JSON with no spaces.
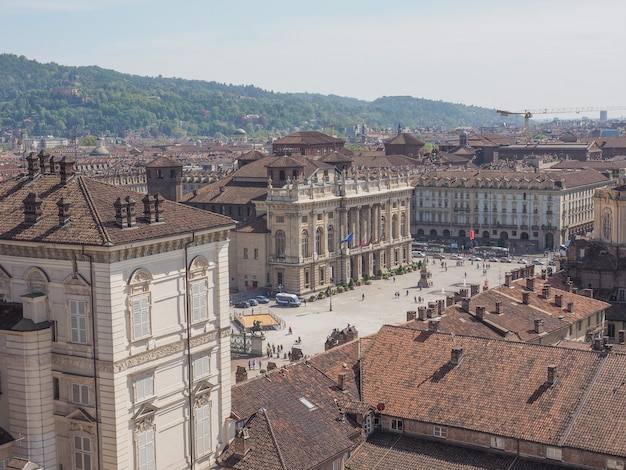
{"x":368,"y":307}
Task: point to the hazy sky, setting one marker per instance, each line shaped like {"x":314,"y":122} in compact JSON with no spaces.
{"x":511,"y":55}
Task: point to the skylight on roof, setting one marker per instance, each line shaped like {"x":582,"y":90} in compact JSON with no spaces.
{"x":308,"y":404}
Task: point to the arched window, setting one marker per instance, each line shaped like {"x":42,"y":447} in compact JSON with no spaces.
{"x":280,"y":244}
{"x":318,"y":240}
{"x":394,"y":226}
{"x":304,"y":241}
{"x":403,"y":225}
{"x":331,"y":239}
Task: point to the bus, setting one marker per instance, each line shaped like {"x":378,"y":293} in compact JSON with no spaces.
{"x":287,"y":300}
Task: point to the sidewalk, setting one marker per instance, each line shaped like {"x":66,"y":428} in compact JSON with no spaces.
{"x":315,"y":321}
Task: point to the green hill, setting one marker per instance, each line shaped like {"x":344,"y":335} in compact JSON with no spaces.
{"x":51,"y":99}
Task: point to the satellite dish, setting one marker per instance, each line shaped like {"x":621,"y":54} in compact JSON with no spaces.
{"x":380,"y":406}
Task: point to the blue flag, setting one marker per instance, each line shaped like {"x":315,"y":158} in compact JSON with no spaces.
{"x":348,"y":238}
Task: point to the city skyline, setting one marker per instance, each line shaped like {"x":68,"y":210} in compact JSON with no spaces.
{"x":499,"y":55}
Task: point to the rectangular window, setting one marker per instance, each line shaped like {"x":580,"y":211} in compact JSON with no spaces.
{"x":55,"y":389}
{"x":319,"y":216}
{"x":245,"y":253}
{"x":440,"y":431}
{"x":497,"y":442}
{"x":615,"y":464}
{"x":141,"y":318}
{"x":199,"y":301}
{"x":3,"y":464}
{"x":80,"y":394}
{"x":145,"y":450}
{"x":78,"y":321}
{"x":305,"y":219}
{"x":144,"y":388}
{"x":330,"y":215}
{"x":201,"y":367}
{"x":396,"y":424}
{"x":280,"y":219}
{"x":554,"y":453}
{"x":256,"y":253}
{"x":82,"y":453}
{"x":203,"y":430}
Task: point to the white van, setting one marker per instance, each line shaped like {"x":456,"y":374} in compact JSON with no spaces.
{"x":287,"y":300}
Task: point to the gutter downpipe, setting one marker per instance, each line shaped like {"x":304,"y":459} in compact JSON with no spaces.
{"x":192,"y":436}
{"x":93,"y":354}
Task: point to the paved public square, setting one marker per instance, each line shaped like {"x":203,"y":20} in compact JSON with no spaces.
{"x":368,"y":307}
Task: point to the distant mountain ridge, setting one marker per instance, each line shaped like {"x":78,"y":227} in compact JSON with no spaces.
{"x":52,"y":99}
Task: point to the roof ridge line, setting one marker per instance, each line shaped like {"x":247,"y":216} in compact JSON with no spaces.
{"x":94,"y":211}
{"x":583,"y":401}
{"x":271,"y":430}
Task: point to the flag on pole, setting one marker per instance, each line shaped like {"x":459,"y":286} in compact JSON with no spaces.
{"x":348,"y":238}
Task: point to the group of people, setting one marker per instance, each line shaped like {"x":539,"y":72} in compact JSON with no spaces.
{"x":274,"y":350}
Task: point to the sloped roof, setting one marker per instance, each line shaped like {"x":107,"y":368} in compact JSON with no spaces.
{"x":404,"y":139}
{"x":301,"y":437}
{"x":504,"y":382}
{"x":163,"y":161}
{"x":307,"y":138}
{"x":92,"y":213}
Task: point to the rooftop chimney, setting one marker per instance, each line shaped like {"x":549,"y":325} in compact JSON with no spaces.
{"x":433,"y":325}
{"x":507,"y":279}
{"x":32,"y":209}
{"x":44,"y":162}
{"x":241,"y":375}
{"x":498,"y":306}
{"x":546,"y":291}
{"x":558,"y":300}
{"x":530,"y":283}
{"x":33,"y":165}
{"x":570,"y":307}
{"x":241,"y":447}
{"x":525,"y":297}
{"x":539,"y":326}
{"x":421,"y":313}
{"x":341,"y":380}
{"x":64,"y":211}
{"x":125,"y":212}
{"x":465,"y":304}
{"x":551,"y":374}
{"x":66,"y":169}
{"x":621,"y":335}
{"x":411,"y":315}
{"x":456,"y":356}
{"x":480,"y":312}
{"x":543,"y":274}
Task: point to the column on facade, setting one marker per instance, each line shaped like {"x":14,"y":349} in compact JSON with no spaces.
{"x":357,"y":225}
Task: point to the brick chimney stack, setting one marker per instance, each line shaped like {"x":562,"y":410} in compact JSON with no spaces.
{"x":433,"y":325}
{"x":530,"y":283}
{"x":539,"y":328}
{"x":498,"y":306}
{"x":525,"y":298}
{"x":551,"y":374}
{"x":480,"y":312}
{"x":456,"y":356}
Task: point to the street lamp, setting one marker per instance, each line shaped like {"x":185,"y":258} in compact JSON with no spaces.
{"x":330,"y":295}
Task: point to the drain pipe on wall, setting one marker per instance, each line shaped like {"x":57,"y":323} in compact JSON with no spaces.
{"x":192,"y":433}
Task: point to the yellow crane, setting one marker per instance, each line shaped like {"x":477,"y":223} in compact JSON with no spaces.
{"x":528,"y":113}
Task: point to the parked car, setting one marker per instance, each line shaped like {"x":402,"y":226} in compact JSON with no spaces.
{"x":537,"y":262}
{"x":438,"y":256}
{"x":241,"y":304}
{"x":475,"y":258}
{"x":457,"y":257}
{"x":552,"y":262}
{"x":253,"y":302}
{"x":417,"y":254}
{"x":506,"y":259}
{"x":492,"y":259}
{"x":262,"y":299}
{"x":522,"y":261}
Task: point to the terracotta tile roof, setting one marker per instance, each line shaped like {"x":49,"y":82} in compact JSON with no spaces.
{"x":307,"y":138}
{"x":404,"y":139}
{"x":303,"y":437}
{"x":163,"y":161}
{"x":499,"y":387}
{"x":92,"y":213}
{"x":456,"y":320}
{"x":386,"y":161}
{"x":258,"y":225}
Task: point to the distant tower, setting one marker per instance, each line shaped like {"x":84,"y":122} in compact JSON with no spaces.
{"x":603,"y":116}
{"x":164,"y":175}
{"x":399,"y":129}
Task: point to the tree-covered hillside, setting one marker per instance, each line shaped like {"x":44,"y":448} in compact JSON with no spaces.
{"x":51,"y":99}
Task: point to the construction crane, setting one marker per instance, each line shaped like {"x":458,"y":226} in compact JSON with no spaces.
{"x":528,"y":113}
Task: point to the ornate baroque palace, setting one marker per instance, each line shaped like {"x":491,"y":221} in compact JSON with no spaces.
{"x":114,"y":328}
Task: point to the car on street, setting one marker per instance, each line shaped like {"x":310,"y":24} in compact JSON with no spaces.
{"x":262,"y":299}
{"x":253,"y":302}
{"x":522,"y":261}
{"x":552,"y":262}
{"x":492,"y":259}
{"x":457,"y":257}
{"x":475,"y":258}
{"x":438,"y":256}
{"x":537,"y":262}
{"x":506,"y":259}
{"x":417,"y":254}
{"x":241,"y":304}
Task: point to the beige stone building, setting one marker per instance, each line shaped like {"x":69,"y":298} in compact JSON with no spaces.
{"x":524,"y":210}
{"x":331,"y":230}
{"x":114,"y":327}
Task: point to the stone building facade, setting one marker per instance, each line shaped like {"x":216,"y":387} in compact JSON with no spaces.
{"x":523,"y":210}
{"x":114,"y":327}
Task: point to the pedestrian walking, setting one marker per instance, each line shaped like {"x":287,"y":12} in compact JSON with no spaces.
{"x":249,"y":365}
{"x":254,"y":363}
{"x":407,"y":293}
{"x":414,"y":299}
{"x":362,"y":297}
{"x":290,"y":331}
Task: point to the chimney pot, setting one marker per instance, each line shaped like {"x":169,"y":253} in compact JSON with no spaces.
{"x":411,"y":315}
{"x":525,"y":298}
{"x":546,"y":291}
{"x":551,"y":374}
{"x":480,"y":312}
{"x":341,"y":380}
{"x":621,"y":335}
{"x":465,"y":304}
{"x":498,"y":306}
{"x":530,"y":283}
{"x":433,"y":325}
{"x":558,"y":300}
{"x":507,"y":279}
{"x":456,"y":356}
{"x":570,"y":307}
{"x":539,"y":325}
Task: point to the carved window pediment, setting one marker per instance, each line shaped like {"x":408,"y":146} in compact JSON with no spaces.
{"x":80,"y":415}
{"x":144,"y":417}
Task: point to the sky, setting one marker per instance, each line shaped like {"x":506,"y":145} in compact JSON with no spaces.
{"x":540,"y":55}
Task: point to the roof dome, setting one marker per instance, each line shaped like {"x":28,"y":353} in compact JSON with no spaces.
{"x":100,"y":150}
{"x":239,"y":132}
